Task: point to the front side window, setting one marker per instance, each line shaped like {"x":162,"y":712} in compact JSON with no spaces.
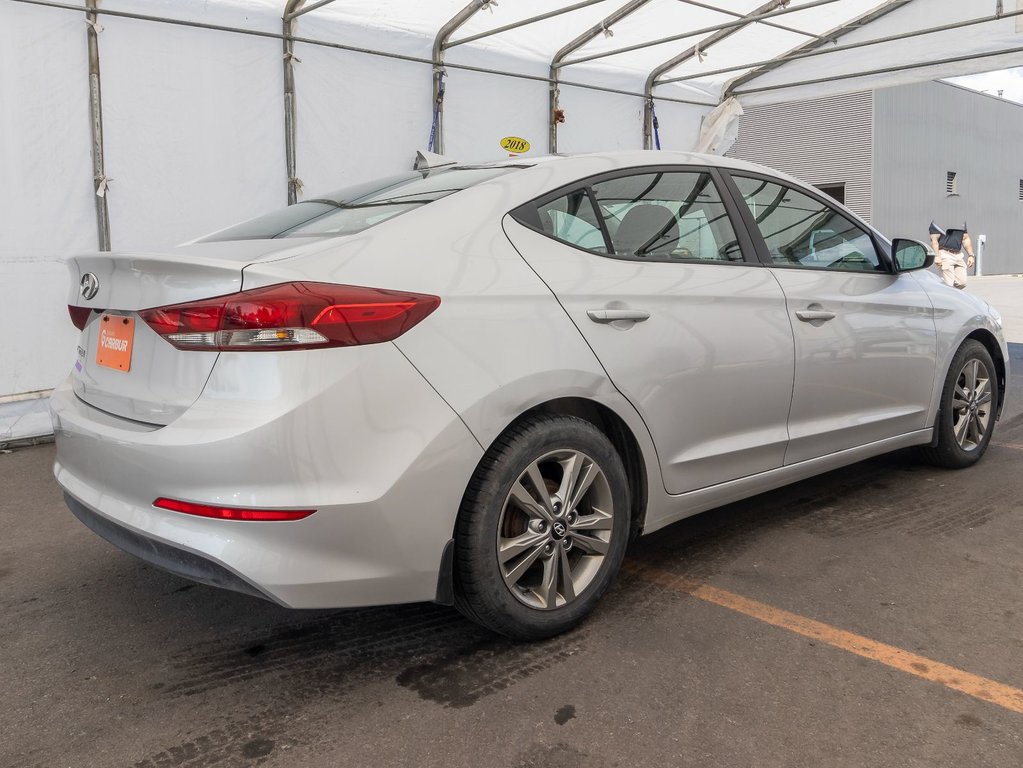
{"x":801,"y":232}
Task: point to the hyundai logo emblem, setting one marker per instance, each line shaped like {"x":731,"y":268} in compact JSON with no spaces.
{"x":559,"y":529}
{"x":89,"y":285}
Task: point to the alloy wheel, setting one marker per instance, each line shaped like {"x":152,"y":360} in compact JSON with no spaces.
{"x":555,"y":529}
{"x":971,"y":405}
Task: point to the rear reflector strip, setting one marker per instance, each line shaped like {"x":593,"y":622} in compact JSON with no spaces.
{"x":231,"y":513}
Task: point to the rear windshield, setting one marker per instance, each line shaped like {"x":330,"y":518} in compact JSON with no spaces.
{"x":353,"y":209}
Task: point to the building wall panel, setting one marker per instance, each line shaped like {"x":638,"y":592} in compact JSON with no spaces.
{"x":927,"y":129}
{"x":821,"y":141}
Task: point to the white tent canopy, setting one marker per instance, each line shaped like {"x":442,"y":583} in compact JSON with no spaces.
{"x":192,"y":118}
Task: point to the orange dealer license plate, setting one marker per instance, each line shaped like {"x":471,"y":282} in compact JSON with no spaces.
{"x":113,"y":348}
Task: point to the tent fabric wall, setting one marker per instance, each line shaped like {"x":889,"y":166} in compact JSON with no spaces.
{"x":194,"y":118}
{"x":193,"y":130}
{"x":46,"y":195}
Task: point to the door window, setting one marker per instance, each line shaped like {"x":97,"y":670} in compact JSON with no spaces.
{"x":666,"y":216}
{"x":802,"y":232}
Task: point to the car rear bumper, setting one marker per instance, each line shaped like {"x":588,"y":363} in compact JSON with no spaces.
{"x":355,"y":434}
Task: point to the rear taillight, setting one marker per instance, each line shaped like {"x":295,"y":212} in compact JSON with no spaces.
{"x":291,"y":316}
{"x":232,"y":513}
{"x":79,"y":315}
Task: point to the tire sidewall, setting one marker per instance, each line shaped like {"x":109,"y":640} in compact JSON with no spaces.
{"x":476,"y":541}
{"x":954,"y":454}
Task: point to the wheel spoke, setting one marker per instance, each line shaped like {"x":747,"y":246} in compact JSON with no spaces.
{"x":598,"y":521}
{"x":961,"y":394}
{"x":589,"y":544}
{"x":984,"y":399}
{"x":572,"y":466}
{"x":961,"y":427}
{"x":971,"y":379}
{"x":541,"y":487}
{"x":974,"y":431}
{"x":524,"y":499}
{"x":515,"y":574}
{"x":567,"y":583}
{"x":513,"y":547}
{"x":587,"y":476}
{"x":548,"y":591}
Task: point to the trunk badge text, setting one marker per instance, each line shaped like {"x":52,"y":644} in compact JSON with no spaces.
{"x":90,"y":285}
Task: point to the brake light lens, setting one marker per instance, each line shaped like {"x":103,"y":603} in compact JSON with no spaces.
{"x":79,"y":315}
{"x":291,"y":316}
{"x":232,"y":513}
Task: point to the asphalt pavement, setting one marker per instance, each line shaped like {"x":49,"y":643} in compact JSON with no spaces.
{"x":868,"y":617}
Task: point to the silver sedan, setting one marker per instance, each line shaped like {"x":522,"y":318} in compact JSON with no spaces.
{"x":474,"y":384}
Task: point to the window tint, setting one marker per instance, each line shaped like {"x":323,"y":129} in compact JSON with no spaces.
{"x":571,"y":218}
{"x":353,"y":209}
{"x":667,"y":215}
{"x":802,"y":232}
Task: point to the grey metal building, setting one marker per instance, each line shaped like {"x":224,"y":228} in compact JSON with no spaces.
{"x":902,"y":156}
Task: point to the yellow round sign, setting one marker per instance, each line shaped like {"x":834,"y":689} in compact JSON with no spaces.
{"x":515,"y":144}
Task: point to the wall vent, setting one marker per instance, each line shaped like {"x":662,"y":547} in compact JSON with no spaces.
{"x":951,"y":183}
{"x":1021,"y":189}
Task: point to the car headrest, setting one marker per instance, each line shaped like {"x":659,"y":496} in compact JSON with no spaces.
{"x":641,"y":224}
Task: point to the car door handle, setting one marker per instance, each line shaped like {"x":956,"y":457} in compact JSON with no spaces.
{"x":809,"y":315}
{"x":610,"y":315}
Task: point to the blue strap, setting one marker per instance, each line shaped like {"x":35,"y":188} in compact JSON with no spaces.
{"x":436,"y":111}
{"x":653,"y":116}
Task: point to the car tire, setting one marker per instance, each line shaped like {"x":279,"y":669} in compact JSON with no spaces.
{"x":966,"y":413}
{"x":528,"y":563}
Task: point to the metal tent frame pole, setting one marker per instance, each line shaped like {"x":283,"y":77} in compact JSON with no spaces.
{"x":797,"y":53}
{"x":737,"y":15}
{"x":815,"y":45}
{"x":558,"y":62}
{"x":744,"y":21}
{"x":291,"y":12}
{"x":721,"y":34}
{"x":344,"y":47}
{"x":99,"y":178}
{"x":522,"y":23}
{"x":883,"y":70}
{"x":439,"y":44}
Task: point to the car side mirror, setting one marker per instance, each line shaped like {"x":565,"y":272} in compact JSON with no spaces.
{"x":910,"y":255}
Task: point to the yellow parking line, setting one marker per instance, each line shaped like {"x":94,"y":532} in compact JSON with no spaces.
{"x":973,"y":685}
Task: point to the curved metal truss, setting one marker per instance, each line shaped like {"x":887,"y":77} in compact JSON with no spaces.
{"x":774,"y":14}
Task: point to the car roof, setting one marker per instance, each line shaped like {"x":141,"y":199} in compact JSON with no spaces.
{"x":589,"y":163}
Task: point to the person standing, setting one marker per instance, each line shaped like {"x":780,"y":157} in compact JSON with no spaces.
{"x":948,"y":246}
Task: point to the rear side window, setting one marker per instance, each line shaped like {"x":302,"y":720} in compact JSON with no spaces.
{"x":801,"y":232}
{"x":354,"y":209}
{"x":651,"y":216}
{"x":573,"y":220}
{"x":667,"y":216}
